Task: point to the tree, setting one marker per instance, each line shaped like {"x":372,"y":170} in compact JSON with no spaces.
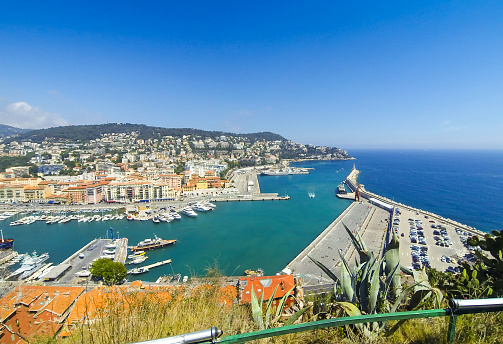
{"x":111,"y":272}
{"x":179,"y":168}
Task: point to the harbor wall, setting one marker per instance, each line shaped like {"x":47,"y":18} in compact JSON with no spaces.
{"x":351,"y":182}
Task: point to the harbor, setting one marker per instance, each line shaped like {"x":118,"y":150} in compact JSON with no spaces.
{"x":199,"y":239}
{"x":441,"y":243}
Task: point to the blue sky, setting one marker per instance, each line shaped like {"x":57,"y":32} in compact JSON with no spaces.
{"x":350,"y":74}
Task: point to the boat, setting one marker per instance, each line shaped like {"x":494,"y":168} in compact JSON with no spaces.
{"x":188,"y":211}
{"x":275,"y":173}
{"x":138,"y":260}
{"x":341,"y":190}
{"x":109,"y":251}
{"x":209,"y":204}
{"x":137,"y":254}
{"x":112,"y":245}
{"x":137,"y":271}
{"x":5,"y":244}
{"x":185,"y":279}
{"x":156,"y":220}
{"x":258,"y":272}
{"x":149,"y":244}
{"x":200,"y":207}
{"x":175,"y":215}
{"x":311,"y":194}
{"x":31,"y":264}
{"x":177,"y":278}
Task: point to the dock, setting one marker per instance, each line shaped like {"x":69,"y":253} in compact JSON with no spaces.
{"x":359,"y":216}
{"x":163,"y":262}
{"x":148,"y":267}
{"x":372,"y":218}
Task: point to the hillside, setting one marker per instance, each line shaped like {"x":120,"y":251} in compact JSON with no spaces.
{"x":91,"y":132}
{"x":7,"y":130}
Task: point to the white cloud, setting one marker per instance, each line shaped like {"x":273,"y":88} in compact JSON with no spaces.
{"x":23,"y":115}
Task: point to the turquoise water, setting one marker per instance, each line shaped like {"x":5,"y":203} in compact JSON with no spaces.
{"x":465,"y":186}
{"x":236,"y":235}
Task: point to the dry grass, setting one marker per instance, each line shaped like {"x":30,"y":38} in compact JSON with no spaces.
{"x":142,"y":316}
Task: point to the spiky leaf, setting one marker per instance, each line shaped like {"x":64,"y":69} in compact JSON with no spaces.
{"x":281,"y":304}
{"x":296,"y":316}
{"x":392,"y":260}
{"x":348,"y":280}
{"x":256,"y":309}
{"x":268,"y":307}
{"x":325,"y":269}
{"x":374,"y":286}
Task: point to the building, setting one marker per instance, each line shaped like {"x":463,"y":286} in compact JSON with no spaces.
{"x":35,"y":311}
{"x":267,"y":285}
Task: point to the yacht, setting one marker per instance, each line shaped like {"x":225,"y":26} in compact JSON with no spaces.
{"x":209,"y":204}
{"x":188,"y":211}
{"x":30,"y":263}
{"x":138,"y":260}
{"x":136,"y":254}
{"x":175,"y":215}
{"x":137,"y":271}
{"x":200,"y":207}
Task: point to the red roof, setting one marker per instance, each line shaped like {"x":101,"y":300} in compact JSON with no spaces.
{"x":266,"y":285}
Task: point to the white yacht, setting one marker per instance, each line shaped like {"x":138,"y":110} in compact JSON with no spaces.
{"x":175,"y":215}
{"x":200,"y":207}
{"x":138,"y":260}
{"x":188,"y":211}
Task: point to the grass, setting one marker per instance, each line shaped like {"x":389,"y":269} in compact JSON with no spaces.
{"x":140,"y":316}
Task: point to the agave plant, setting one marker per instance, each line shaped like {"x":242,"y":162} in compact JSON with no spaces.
{"x":263,"y":317}
{"x":374,"y":285}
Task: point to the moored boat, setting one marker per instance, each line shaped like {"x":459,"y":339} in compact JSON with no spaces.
{"x":137,"y":271}
{"x":5,"y":244}
{"x":258,"y":272}
{"x":149,"y":244}
{"x":188,"y":211}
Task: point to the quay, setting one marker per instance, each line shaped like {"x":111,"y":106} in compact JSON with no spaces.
{"x":375,"y":217}
{"x":363,"y":217}
{"x":154,"y":265}
{"x":81,"y":260}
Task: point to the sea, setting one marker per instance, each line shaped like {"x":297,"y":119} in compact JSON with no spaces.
{"x":465,"y":186}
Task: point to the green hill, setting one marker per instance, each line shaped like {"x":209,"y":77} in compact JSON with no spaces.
{"x":7,"y":130}
{"x":90,"y":132}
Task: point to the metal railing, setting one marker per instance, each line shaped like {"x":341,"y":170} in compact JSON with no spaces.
{"x":456,"y":308}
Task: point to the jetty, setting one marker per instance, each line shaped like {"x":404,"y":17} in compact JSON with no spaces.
{"x":375,"y":218}
{"x":148,"y":267}
{"x":163,"y":262}
{"x":365,"y":218}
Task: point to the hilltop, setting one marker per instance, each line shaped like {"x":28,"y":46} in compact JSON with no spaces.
{"x":7,"y":130}
{"x":95,"y":131}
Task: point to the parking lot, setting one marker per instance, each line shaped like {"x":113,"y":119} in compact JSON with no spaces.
{"x":428,"y":241}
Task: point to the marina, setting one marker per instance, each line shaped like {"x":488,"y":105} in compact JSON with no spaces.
{"x":200,"y":239}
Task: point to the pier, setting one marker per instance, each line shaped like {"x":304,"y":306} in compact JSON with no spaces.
{"x":83,"y":259}
{"x":154,"y":265}
{"x":148,"y":267}
{"x":373,"y":217}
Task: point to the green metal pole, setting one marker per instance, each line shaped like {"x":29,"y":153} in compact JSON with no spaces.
{"x":452,"y":328}
{"x":337,"y":322}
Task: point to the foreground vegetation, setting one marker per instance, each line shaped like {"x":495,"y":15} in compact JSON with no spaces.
{"x":150,"y":318}
{"x":142,"y":315}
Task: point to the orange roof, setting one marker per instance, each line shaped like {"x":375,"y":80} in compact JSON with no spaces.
{"x":36,"y":310}
{"x":266,"y":285}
